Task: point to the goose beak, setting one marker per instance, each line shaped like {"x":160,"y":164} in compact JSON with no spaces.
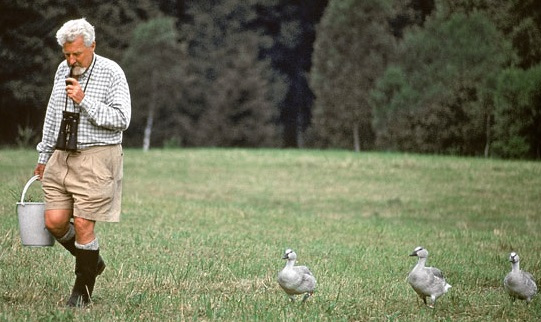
{"x":284,"y":257}
{"x":413,"y":254}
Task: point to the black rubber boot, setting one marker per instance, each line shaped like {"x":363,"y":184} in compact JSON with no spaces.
{"x":70,"y":246}
{"x":86,"y":267}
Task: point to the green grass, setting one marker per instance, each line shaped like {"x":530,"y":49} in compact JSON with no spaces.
{"x":203,"y":230}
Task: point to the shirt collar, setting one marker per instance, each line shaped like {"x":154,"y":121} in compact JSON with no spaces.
{"x":84,"y":75}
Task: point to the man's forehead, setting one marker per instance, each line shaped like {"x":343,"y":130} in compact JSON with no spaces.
{"x":73,"y":50}
{"x":76,"y":46}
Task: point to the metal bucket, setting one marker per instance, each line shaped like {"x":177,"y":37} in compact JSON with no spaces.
{"x":32,"y":221}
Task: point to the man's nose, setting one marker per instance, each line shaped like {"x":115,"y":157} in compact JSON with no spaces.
{"x":71,"y":60}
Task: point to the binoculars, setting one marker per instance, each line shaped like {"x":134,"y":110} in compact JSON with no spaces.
{"x":67,"y":137}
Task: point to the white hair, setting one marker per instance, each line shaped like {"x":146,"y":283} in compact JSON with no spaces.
{"x":76,"y":28}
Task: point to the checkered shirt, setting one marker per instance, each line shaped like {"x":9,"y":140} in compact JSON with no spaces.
{"x":105,"y":110}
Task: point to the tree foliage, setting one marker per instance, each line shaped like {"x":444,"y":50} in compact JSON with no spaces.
{"x":291,"y":26}
{"x":234,"y":100}
{"x":518,"y":114}
{"x":29,"y":52}
{"x":354,"y":43}
{"x":436,"y":97}
{"x":518,"y":20}
{"x":237,"y":72}
{"x":278,"y":36}
{"x":240,"y":110}
{"x":29,"y":56}
{"x":153,"y":64}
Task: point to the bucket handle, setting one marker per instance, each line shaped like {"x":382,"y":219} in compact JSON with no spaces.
{"x":34,"y":178}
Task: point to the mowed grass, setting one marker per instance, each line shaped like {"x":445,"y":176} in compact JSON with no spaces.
{"x":203,"y":231}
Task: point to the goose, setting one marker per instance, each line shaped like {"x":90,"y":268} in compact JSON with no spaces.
{"x":296,"y":280}
{"x":519,"y":284}
{"x":427,"y":281}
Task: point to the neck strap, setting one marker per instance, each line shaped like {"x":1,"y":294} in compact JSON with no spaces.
{"x":86,"y":84}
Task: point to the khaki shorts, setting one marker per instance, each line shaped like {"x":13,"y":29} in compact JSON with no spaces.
{"x":87,"y":181}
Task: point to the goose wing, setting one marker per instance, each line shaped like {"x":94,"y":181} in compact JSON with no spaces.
{"x":303,"y":270}
{"x":530,"y":281}
{"x":436,"y":272}
{"x":308,"y":281}
{"x":506,"y":280}
{"x":529,"y":276}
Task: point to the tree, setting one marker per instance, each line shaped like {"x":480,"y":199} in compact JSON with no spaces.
{"x":235,"y":96}
{"x":437,"y":96}
{"x":517,"y":122}
{"x":284,"y":31}
{"x":153,"y":71}
{"x":29,"y":52}
{"x":240,"y":112}
{"x":291,"y":26}
{"x":353,"y":46}
{"x":29,"y":56}
{"x":518,"y":20}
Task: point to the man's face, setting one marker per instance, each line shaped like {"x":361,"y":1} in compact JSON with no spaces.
{"x":78,"y":55}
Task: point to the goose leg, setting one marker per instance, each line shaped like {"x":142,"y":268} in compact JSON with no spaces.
{"x":306,"y":296}
{"x":433,"y":301}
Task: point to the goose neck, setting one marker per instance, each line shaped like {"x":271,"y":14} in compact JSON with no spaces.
{"x":421,"y":263}
{"x":515,"y":266}
{"x":290,"y":263}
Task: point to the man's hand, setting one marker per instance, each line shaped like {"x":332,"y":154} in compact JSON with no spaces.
{"x":74,"y":90}
{"x":38,"y":171}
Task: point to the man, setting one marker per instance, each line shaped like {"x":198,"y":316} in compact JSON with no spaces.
{"x":80,"y":155}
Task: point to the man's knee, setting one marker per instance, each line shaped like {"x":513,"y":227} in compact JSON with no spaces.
{"x":57,"y":221}
{"x":84,"y":230}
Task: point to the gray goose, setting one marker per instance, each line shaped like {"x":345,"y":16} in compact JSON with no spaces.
{"x":519,"y":284}
{"x":427,"y":281}
{"x":296,"y":280}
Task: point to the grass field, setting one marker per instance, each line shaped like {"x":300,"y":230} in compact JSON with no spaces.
{"x":203,"y":231}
